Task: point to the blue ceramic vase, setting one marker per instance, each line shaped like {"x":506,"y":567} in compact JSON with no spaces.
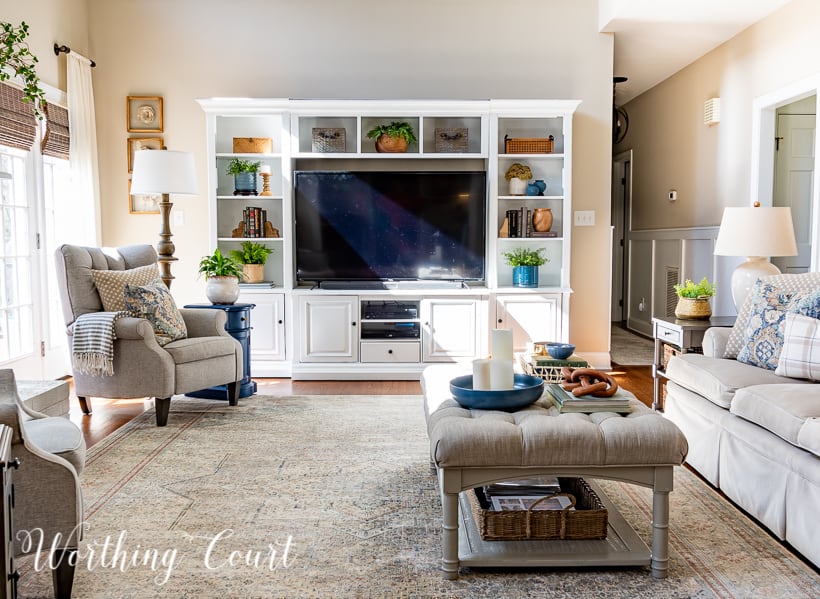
{"x":525,"y":276}
{"x":244,"y":184}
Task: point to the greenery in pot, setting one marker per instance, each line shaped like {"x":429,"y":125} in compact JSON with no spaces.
{"x":251,"y":253}
{"x":238,"y":166}
{"x":219,"y":265}
{"x":400,"y":129}
{"x":696,"y":290}
{"x":525,"y":257}
{"x":16,"y":57}
{"x":518,"y":171}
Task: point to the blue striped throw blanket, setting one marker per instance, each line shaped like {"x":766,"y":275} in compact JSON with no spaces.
{"x":92,"y":350}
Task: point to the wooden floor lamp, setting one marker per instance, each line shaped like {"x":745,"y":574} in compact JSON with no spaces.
{"x":164,"y":172}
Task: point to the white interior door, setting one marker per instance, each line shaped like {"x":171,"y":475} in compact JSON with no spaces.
{"x":794,"y":182}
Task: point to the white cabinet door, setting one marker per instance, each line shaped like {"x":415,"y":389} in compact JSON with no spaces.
{"x":328,"y":329}
{"x":267,"y":330}
{"x":531,"y":318}
{"x":450,"y":329}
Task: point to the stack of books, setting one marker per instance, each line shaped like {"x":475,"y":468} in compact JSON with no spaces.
{"x":254,"y":219}
{"x":566,"y":402}
{"x":520,"y":224}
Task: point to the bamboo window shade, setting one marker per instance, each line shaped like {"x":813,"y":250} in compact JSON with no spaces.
{"x":56,"y":139}
{"x":18,"y":125}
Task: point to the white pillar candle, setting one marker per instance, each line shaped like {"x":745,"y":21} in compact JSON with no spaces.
{"x":502,"y":344}
{"x":264,"y":169}
{"x":481,"y":375}
{"x":501,"y":374}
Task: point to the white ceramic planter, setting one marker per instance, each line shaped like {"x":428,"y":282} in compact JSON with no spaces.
{"x":518,"y":187}
{"x":222,"y":290}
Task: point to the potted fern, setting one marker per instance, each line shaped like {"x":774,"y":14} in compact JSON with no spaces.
{"x":525,"y":263}
{"x":394,"y":137}
{"x":252,"y":256}
{"x":222,"y":275}
{"x":244,"y":176}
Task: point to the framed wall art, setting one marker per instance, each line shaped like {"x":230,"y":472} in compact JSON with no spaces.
{"x":143,"y":203}
{"x":144,"y":114}
{"x":135,"y":144}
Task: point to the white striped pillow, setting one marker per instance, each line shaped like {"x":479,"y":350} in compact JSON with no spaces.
{"x":800,"y":356}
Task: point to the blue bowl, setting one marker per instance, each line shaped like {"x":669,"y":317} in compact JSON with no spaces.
{"x":560,"y":351}
{"x":527,"y":389}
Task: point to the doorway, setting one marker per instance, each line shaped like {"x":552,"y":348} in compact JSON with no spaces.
{"x":794,"y":176}
{"x":620,"y":210}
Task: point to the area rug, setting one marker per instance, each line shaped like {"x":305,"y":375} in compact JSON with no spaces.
{"x":630,"y":349}
{"x":332,"y":496}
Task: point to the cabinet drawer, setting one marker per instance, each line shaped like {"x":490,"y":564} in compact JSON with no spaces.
{"x":388,"y":351}
{"x":669,"y":335}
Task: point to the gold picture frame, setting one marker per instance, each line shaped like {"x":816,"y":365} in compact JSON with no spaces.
{"x":143,"y":203}
{"x":143,"y":114}
{"x":136,"y":144}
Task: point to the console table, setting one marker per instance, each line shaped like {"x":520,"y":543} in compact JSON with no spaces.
{"x":238,"y":326}
{"x":686,"y":336}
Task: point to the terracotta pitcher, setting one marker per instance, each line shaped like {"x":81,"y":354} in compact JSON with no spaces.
{"x":542,"y":219}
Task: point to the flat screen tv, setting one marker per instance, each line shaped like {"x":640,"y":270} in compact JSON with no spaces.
{"x":376,"y":226}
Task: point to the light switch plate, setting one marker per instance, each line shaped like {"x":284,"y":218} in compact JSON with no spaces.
{"x":584,"y":218}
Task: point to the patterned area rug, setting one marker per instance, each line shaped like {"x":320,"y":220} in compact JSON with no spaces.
{"x":320,"y":496}
{"x":630,"y":349}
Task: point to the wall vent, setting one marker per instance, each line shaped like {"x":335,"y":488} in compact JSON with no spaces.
{"x":672,"y":279}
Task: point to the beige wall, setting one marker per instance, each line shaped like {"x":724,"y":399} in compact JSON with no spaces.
{"x":188,"y":49}
{"x":50,"y":21}
{"x":710,"y":166}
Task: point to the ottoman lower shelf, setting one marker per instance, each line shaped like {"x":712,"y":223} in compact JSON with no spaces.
{"x":622,"y":547}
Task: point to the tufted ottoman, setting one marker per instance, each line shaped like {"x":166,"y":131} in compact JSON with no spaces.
{"x":471,"y":448}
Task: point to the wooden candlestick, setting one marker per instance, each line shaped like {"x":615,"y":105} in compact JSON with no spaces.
{"x":265,"y":185}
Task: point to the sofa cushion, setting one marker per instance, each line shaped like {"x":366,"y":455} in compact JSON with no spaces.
{"x":111,"y":284}
{"x":802,"y":282}
{"x":763,"y":339}
{"x":809,"y":436}
{"x":155,"y":303}
{"x":782,"y":409}
{"x":200,"y":348}
{"x":718,"y":379}
{"x":800,"y":356}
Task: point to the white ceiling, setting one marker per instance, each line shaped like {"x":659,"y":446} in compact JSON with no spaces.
{"x":656,"y":38}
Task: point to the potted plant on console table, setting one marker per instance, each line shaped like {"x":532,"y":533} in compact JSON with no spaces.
{"x":693,"y":300}
{"x":525,"y":265}
{"x":252,"y":256}
{"x":394,"y":137}
{"x":222,"y":274}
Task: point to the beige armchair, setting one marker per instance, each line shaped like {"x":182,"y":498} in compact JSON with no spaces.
{"x":47,"y":495}
{"x":207,"y":357}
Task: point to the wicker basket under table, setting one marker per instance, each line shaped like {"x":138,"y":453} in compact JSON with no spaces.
{"x":587,"y":521}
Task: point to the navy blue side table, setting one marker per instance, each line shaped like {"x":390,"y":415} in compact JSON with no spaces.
{"x":238,"y":326}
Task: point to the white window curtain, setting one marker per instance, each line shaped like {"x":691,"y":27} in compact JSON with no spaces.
{"x":84,"y":204}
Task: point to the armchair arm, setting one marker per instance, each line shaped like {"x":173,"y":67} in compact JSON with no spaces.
{"x":204,"y":323}
{"x":714,"y":341}
{"x":126,"y":328}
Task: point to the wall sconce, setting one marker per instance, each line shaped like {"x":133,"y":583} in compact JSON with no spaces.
{"x":711,"y":111}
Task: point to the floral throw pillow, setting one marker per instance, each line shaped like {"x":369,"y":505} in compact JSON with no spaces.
{"x":155,"y":303}
{"x":111,"y":283}
{"x":763,"y":335}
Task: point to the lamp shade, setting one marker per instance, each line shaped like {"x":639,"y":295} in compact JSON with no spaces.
{"x":163,"y":171}
{"x":756,"y":231}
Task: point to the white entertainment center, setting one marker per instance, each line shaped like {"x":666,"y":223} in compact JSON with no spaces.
{"x":392,"y":329}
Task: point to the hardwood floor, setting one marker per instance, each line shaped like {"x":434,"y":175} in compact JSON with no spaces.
{"x":110,"y":414}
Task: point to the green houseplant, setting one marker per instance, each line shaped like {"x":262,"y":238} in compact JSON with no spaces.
{"x":223,"y":274}
{"x":244,"y":176}
{"x":693,"y":299}
{"x":252,"y":256}
{"x":394,"y":137}
{"x":16,"y":57}
{"x":525,"y":263}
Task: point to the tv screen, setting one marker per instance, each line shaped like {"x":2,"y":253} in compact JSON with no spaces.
{"x":359,"y":226}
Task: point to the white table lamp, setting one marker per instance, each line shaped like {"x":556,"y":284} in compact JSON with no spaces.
{"x":164,"y":172}
{"x":755,"y":232}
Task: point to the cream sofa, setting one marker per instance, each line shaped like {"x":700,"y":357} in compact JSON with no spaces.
{"x":753,"y":434}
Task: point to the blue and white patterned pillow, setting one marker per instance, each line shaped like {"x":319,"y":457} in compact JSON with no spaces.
{"x":763,"y":335}
{"x":155,"y":303}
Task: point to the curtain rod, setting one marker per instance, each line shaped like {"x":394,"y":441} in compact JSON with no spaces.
{"x":66,"y":49}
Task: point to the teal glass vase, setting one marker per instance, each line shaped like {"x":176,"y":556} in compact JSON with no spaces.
{"x":525,"y":276}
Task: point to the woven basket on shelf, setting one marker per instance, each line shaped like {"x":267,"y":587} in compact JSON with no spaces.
{"x":452,"y":139}
{"x":252,"y":145}
{"x":529,"y":145}
{"x":328,"y":140}
{"x":587,"y":521}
